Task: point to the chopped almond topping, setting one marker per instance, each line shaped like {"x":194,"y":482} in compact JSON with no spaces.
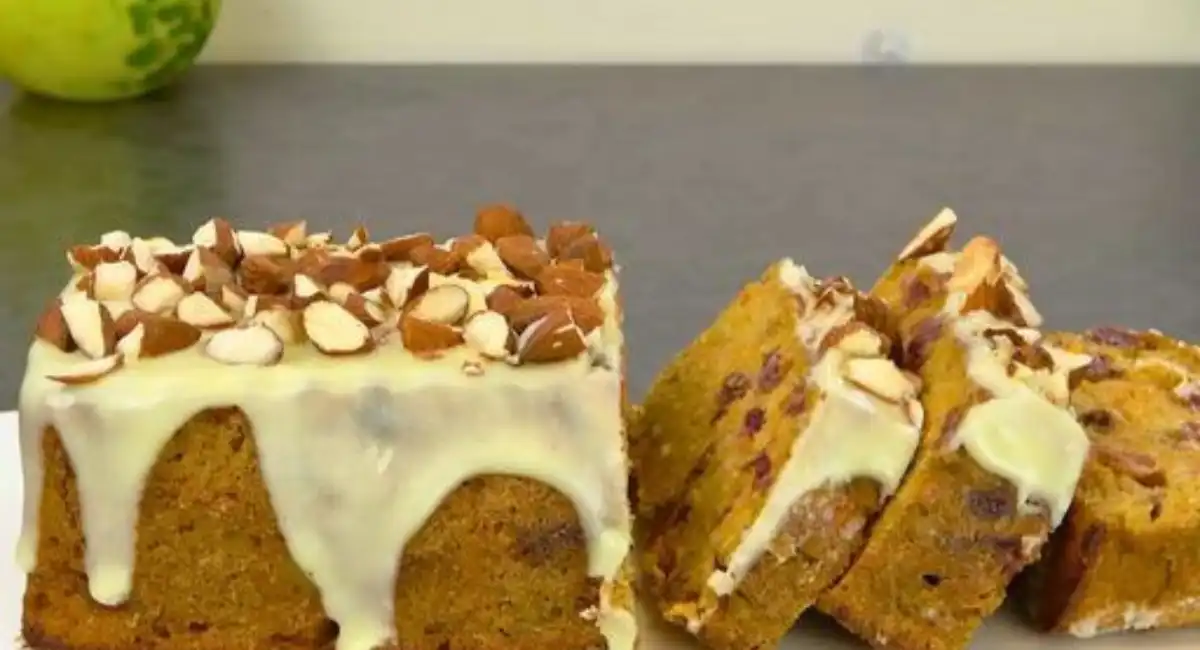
{"x":86,"y":372}
{"x":487,"y":333}
{"x":261,"y":243}
{"x":550,"y":339}
{"x":565,"y":281}
{"x":159,"y":293}
{"x":400,"y":248}
{"x":254,"y":345}
{"x":423,"y":337}
{"x":292,"y":233}
{"x":52,"y":328}
{"x":497,"y":221}
{"x":446,"y":304}
{"x":522,"y":256}
{"x":932,"y":238}
{"x":91,"y":326}
{"x":335,"y":331}
{"x":201,"y":311}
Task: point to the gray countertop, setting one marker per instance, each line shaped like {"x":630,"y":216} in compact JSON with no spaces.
{"x":700,"y":177}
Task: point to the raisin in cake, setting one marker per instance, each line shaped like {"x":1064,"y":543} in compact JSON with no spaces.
{"x":762,"y":452}
{"x":999,"y":457}
{"x":265,"y":440}
{"x":1128,"y":555}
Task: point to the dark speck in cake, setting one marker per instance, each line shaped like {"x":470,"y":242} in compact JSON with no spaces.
{"x":735,"y":386}
{"x":795,"y":404}
{"x":1098,"y":420}
{"x":990,"y":504}
{"x":753,"y":422}
{"x":1114,"y":336}
{"x":772,"y":372}
{"x":762,"y":470}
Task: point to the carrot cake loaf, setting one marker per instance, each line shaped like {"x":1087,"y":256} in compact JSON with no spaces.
{"x":266,"y":440}
{"x":1128,"y":555}
{"x":762,"y":452}
{"x":999,"y":456}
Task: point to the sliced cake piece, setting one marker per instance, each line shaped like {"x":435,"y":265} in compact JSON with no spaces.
{"x":999,"y":457}
{"x":1128,"y":556}
{"x":763,"y":451}
{"x":264,"y":440}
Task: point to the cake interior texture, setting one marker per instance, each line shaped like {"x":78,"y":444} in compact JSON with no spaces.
{"x":263,"y":439}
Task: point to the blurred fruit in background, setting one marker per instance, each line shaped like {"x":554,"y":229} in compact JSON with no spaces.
{"x":98,"y":50}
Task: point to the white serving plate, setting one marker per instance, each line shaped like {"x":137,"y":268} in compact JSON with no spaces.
{"x":1002,"y":633}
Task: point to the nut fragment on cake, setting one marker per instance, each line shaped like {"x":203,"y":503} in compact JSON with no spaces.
{"x":335,"y":431}
{"x":1000,"y":452}
{"x":762,"y":453}
{"x":1126,"y":556}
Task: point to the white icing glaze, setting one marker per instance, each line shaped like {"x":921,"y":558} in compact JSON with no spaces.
{"x":1025,"y":433}
{"x":851,"y":434}
{"x":382,"y":437}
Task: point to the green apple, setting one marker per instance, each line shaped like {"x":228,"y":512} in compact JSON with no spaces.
{"x":97,"y":50}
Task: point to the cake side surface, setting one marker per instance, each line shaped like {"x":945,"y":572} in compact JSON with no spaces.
{"x":999,"y":454}
{"x":780,"y":432}
{"x":1127,"y":557}
{"x":375,"y":379}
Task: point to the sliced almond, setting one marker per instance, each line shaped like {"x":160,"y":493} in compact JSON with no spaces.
{"x":116,"y":240}
{"x":288,"y":325}
{"x":292,"y":233}
{"x":562,"y":233}
{"x":855,"y":339}
{"x":253,"y":345}
{"x":978,"y":264}
{"x":219,"y":237}
{"x":334,"y":330}
{"x":424,"y":337}
{"x":932,"y":238}
{"x":254,"y":242}
{"x":201,"y":311}
{"x":566,"y":281}
{"x":341,"y":291}
{"x":159,"y":294}
{"x":85,"y":258}
{"x":233,"y":299}
{"x":438,"y":260}
{"x":585,"y":312}
{"x":1016,"y":305}
{"x":496,"y":221}
{"x":446,"y":304}
{"x":176,"y":258}
{"x":369,"y":313}
{"x":164,"y":335}
{"x":405,"y":285}
{"x":589,"y":250}
{"x":399,"y":249}
{"x":86,"y":372}
{"x":487,"y":333}
{"x":318,"y":240}
{"x":361,"y":275}
{"x":370,"y":253}
{"x":264,"y":275}
{"x":142,"y":253}
{"x":485,"y":261}
{"x":193,"y":270}
{"x":879,"y":377}
{"x":550,"y":339}
{"x":305,"y":289}
{"x":52,"y":327}
{"x":129,"y":344}
{"x":522,"y":256}
{"x":359,"y":238}
{"x":91,"y":326}
{"x":472,"y":368}
{"x":505,"y":298}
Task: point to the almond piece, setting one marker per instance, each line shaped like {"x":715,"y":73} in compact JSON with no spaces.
{"x":305,"y":289}
{"x":288,"y":325}
{"x":142,"y":253}
{"x":465,"y":245}
{"x":129,"y":344}
{"x":438,"y":260}
{"x":591,"y":251}
{"x":522,"y":256}
{"x":163,"y":335}
{"x":585,"y":312}
{"x":446,"y":304}
{"x":485,"y":261}
{"x":125,"y":323}
{"x":370,"y":254}
{"x":879,"y":377}
{"x":233,"y":299}
{"x":264,"y":275}
{"x":369,"y":313}
{"x":116,"y":240}
{"x":855,"y":339}
{"x":406,"y":285}
{"x":359,"y":238}
{"x":292,"y":233}
{"x":201,"y":311}
{"x":89,"y":371}
{"x":335,"y":331}
{"x":1016,"y":306}
{"x":85,"y":258}
{"x":52,"y":327}
{"x":932,"y":238}
{"x":487,"y":333}
{"x":254,"y":242}
{"x":91,"y":326}
{"x":552,"y":338}
{"x":363,"y":276}
{"x":399,"y":249}
{"x":496,"y":221}
{"x":978,"y":264}
{"x":562,"y":233}
{"x":318,"y":240}
{"x":566,"y":281}
{"x":424,"y":337}
{"x":504,"y":298}
{"x":159,"y":294}
{"x":254,"y":345}
{"x":219,"y":237}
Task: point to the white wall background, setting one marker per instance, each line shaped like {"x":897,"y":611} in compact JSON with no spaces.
{"x":1135,"y":31}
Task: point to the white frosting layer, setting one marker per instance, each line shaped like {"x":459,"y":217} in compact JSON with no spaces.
{"x":851,"y":433}
{"x":1025,"y":433}
{"x":379,"y":438}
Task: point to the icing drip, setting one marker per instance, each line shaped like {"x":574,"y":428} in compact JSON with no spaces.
{"x":382,"y":437}
{"x":852,"y":432}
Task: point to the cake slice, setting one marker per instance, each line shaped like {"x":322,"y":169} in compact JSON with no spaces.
{"x":999,"y":457}
{"x":762,"y":452}
{"x":1128,"y":555}
{"x":264,"y":440}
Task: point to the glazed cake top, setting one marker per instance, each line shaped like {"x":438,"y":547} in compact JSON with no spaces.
{"x":247,"y":297}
